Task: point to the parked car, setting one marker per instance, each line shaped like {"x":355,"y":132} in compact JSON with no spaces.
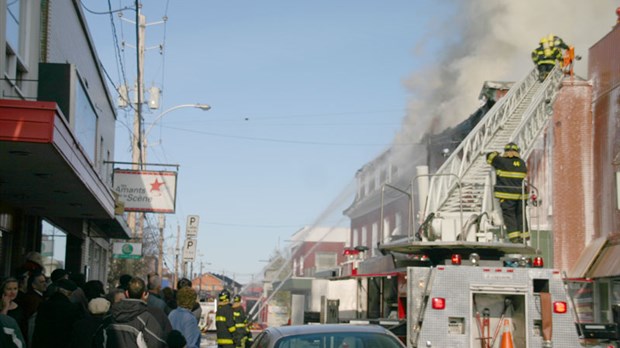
{"x":327,"y":336}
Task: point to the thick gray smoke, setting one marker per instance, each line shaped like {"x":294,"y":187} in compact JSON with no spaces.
{"x":493,"y":40}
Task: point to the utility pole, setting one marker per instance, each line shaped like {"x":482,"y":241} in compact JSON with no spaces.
{"x":176,"y":258}
{"x":136,"y":148}
{"x":200,"y":286}
{"x":160,"y":263}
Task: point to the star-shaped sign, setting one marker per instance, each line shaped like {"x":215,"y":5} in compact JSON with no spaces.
{"x":155,"y":185}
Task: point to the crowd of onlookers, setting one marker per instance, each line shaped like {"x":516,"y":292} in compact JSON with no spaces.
{"x":65,"y":310}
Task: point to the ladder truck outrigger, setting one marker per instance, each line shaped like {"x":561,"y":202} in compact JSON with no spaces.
{"x":477,"y":287}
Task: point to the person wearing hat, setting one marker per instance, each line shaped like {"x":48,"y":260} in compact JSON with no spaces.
{"x":510,"y":171}
{"x":545,"y":56}
{"x":55,"y":317}
{"x":227,"y":335}
{"x":85,"y":328}
{"x":33,"y":263}
{"x":56,"y":275}
{"x":241,"y":322}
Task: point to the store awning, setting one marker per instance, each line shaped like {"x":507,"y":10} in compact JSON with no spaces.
{"x":46,"y":172}
{"x":607,"y":264}
{"x":113,"y":228}
{"x":587,"y":258}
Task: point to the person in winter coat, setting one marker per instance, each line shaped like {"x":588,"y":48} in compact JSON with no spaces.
{"x":182,"y":318}
{"x":130,"y":324}
{"x":55,"y":318}
{"x":10,"y":334}
{"x":85,"y":328}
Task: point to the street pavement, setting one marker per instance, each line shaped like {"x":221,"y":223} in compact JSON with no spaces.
{"x":208,"y":340}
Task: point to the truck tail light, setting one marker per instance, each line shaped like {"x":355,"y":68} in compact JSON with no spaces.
{"x":439,"y":303}
{"x":559,"y":307}
{"x":456,"y":259}
{"x":538,"y":262}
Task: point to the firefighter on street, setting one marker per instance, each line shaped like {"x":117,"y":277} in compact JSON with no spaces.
{"x":241,"y":322}
{"x":227,"y":335}
{"x":510,"y":171}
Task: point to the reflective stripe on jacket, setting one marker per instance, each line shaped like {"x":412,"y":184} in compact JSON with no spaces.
{"x":225,"y":325}
{"x":509,"y":175}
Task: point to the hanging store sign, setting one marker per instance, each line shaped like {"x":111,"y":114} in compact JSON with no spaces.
{"x":127,"y":250}
{"x":146,"y":191}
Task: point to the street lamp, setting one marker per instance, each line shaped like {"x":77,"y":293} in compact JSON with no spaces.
{"x":139,"y":155}
{"x":203,"y":107}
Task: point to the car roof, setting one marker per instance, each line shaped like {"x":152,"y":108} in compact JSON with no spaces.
{"x":283,"y":331}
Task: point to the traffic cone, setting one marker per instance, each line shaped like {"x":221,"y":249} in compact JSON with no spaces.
{"x":506,"y":336}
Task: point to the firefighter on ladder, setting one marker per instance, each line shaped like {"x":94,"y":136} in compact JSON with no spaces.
{"x":510,"y":171}
{"x":241,"y":322}
{"x":227,"y":336}
{"x":546,"y":55}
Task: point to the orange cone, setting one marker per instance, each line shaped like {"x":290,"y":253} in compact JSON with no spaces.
{"x":506,"y":336}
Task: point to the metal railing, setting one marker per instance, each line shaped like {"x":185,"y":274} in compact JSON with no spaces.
{"x":473,"y":145}
{"x":538,"y":112}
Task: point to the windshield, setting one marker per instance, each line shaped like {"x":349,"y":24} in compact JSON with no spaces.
{"x":339,"y":340}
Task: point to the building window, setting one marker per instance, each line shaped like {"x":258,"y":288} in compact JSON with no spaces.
{"x":355,"y":241}
{"x":15,"y":68}
{"x":12,"y":24}
{"x":53,"y":247}
{"x":364,"y":237}
{"x":383,"y":177}
{"x":393,"y":172}
{"x":371,"y":184}
{"x":375,"y":240}
{"x":85,"y":122}
{"x":326,"y":260}
{"x":386,"y":230}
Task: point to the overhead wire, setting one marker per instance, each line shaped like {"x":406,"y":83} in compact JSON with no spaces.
{"x":274,"y":140}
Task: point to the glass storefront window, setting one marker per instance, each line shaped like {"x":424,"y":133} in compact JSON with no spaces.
{"x":85,"y":122}
{"x":53,"y":247}
{"x":12,"y":24}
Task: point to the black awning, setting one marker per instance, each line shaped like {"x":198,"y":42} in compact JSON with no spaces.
{"x":113,"y":228}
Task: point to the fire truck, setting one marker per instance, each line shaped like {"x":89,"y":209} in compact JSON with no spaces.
{"x":457,"y":281}
{"x":479,"y":295}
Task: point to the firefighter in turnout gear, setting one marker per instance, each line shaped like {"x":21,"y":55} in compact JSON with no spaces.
{"x":556,"y":41}
{"x":510,"y":171}
{"x":546,"y":55}
{"x":241,"y":322}
{"x":227,"y":335}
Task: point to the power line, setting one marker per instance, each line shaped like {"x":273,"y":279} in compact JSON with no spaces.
{"x":274,"y":140}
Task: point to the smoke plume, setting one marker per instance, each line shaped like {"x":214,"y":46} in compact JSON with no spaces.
{"x":493,"y":40}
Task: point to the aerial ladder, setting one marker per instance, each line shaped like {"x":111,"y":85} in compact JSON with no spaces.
{"x":460,"y":203}
{"x":473,"y":281}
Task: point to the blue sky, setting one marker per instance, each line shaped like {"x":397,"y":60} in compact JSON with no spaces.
{"x":303,"y":94}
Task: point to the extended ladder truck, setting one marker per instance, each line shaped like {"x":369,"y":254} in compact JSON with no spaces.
{"x":477,"y":289}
